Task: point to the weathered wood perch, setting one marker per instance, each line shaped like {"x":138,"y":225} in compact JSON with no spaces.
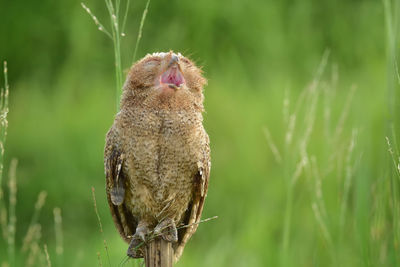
{"x":159,"y":253}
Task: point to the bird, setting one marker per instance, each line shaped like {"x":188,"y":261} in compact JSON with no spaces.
{"x":157,"y":153}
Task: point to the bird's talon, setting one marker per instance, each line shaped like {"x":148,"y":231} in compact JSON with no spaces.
{"x":167,"y":230}
{"x":135,"y":249}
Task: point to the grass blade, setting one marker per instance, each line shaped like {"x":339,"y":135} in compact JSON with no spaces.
{"x":140,"y":30}
{"x":100,"y":225}
{"x":100,"y":26}
{"x":12,"y":217}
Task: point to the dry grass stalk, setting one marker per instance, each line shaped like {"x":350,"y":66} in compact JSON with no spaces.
{"x":41,"y":258}
{"x":318,"y":187}
{"x":100,"y":26}
{"x":290,"y":130}
{"x":34,"y":248}
{"x":33,"y":253}
{"x":140,"y":30}
{"x":3,"y":220}
{"x":272,"y":145}
{"x":12,"y":217}
{"x":329,"y":90}
{"x":58,"y":231}
{"x":201,"y":221}
{"x":47,"y":256}
{"x":309,"y":120}
{"x":125,"y":17}
{"x":299,"y":154}
{"x":8,"y":217}
{"x":327,"y":96}
{"x":337,"y":134}
{"x":348,"y":179}
{"x":286,"y":106}
{"x":99,"y":259}
{"x":4,"y":91}
{"x":299,"y":169}
{"x":100,"y":224}
{"x":38,"y":207}
{"x":396,"y":165}
{"x":318,"y":207}
{"x":322,"y":225}
{"x":95,"y":209}
{"x":314,"y":84}
{"x":309,"y":92}
{"x":30,"y":237}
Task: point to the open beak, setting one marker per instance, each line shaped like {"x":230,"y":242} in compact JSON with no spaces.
{"x":173,"y":76}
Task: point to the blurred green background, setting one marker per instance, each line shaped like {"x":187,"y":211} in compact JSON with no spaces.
{"x":255,"y":55}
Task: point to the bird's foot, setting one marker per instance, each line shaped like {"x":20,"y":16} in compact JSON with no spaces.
{"x":167,"y":230}
{"x":136,"y":246}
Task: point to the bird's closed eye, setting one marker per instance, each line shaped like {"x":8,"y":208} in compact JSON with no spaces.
{"x":151,"y":63}
{"x":153,"y":60}
{"x":186,"y":61}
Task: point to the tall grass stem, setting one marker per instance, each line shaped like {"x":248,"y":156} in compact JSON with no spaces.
{"x":4,"y":92}
{"x":100,"y":224}
{"x":46,"y":252}
{"x":11,"y":210}
{"x":58,"y":233}
{"x":140,"y":30}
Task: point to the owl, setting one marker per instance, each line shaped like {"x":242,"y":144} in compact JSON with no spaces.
{"x":157,"y":153}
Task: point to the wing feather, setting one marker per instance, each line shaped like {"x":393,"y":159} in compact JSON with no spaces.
{"x":195,"y":209}
{"x":124,"y":221}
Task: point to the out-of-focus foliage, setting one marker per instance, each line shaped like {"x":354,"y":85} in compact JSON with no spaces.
{"x":255,"y":55}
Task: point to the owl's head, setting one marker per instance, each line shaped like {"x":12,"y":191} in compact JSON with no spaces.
{"x":167,"y":78}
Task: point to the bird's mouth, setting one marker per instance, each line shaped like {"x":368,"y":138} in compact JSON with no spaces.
{"x":172,"y":76}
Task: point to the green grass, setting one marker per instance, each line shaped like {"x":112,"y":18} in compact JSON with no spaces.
{"x":117,"y":25}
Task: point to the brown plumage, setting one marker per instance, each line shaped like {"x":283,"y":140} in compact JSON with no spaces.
{"x":157,"y":155}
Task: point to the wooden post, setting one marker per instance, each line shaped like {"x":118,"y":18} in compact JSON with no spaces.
{"x":159,"y":253}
